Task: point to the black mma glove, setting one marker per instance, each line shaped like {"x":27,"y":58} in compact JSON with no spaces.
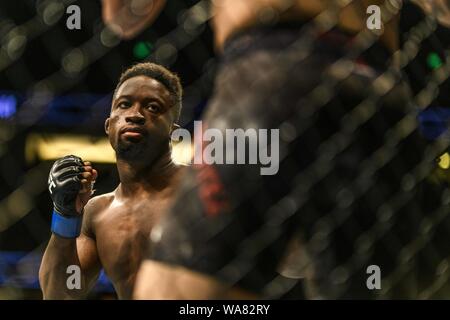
{"x":64,"y":184}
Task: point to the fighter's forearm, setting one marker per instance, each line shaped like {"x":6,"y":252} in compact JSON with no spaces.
{"x":70,"y":263}
{"x":438,"y":8}
{"x":129,"y":18}
{"x":58,"y":257}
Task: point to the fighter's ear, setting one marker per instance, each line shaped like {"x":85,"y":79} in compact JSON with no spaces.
{"x":107,"y":126}
{"x":175,"y":126}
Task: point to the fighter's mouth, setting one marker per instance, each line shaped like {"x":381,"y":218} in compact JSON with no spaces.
{"x":133,"y":132}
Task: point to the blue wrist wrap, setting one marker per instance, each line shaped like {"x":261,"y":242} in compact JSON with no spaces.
{"x":66,"y":227}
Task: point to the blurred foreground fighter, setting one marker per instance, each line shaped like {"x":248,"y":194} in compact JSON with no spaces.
{"x":350,"y":152}
{"x":111,"y":230}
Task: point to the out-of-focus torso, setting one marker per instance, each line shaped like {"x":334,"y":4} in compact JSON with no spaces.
{"x":232,"y":16}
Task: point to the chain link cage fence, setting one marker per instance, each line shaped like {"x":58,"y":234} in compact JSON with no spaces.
{"x":377,"y":171}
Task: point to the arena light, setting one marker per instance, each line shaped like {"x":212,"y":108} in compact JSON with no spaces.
{"x":182,"y":152}
{"x":142,"y":49}
{"x":53,"y":146}
{"x":444,"y":161}
{"x":8,"y":106}
{"x":45,"y":147}
{"x":434,"y":61}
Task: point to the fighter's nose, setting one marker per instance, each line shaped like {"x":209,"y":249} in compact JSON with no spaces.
{"x":135,"y":119}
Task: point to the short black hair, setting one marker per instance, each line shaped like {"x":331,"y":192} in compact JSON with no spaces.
{"x":159,"y":73}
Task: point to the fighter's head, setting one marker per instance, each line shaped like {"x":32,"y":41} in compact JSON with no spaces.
{"x":145,"y":106}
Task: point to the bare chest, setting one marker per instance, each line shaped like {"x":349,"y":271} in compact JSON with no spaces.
{"x":122,"y":236}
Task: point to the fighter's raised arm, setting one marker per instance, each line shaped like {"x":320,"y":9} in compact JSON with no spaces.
{"x":71,"y":245}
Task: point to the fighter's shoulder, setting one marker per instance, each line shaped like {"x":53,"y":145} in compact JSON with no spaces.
{"x":99,"y":203}
{"x":92,"y":209}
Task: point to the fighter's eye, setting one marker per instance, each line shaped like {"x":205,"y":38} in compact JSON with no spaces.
{"x":153,"y":107}
{"x":124,"y":104}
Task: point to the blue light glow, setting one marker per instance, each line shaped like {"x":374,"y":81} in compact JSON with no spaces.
{"x":8,"y":106}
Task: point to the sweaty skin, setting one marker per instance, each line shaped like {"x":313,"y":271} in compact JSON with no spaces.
{"x":116,"y":226}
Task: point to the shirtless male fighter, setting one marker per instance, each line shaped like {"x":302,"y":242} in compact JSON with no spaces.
{"x":111,"y":231}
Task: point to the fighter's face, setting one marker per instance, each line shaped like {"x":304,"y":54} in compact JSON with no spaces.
{"x":141,"y":119}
